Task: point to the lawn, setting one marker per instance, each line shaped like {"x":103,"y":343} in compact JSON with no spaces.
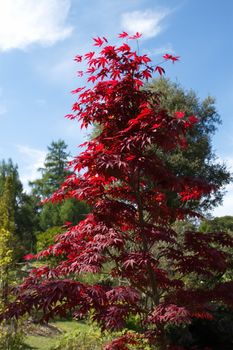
{"x":39,"y":342}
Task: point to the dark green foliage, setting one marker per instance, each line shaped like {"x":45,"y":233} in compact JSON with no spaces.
{"x":58,"y":213}
{"x":216,"y":334}
{"x":54,"y":170}
{"x":45,"y":239}
{"x":11,"y":335}
{"x":198,"y":160}
{"x":223,"y":223}
{"x":27,"y":221}
{"x":25,"y":213}
{"x":53,"y":174}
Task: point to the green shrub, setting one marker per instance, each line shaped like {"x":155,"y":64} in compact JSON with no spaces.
{"x":11,"y":338}
{"x":91,"y":338}
{"x":88,"y":339}
{"x":45,"y":239}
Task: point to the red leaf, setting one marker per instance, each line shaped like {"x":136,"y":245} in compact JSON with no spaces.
{"x":170,"y":57}
{"x":124,"y":47}
{"x":136,"y":36}
{"x":98,"y":41}
{"x":29,"y":257}
{"x":76,"y":91}
{"x":193,"y":119}
{"x":92,"y":78}
{"x":179,"y":115}
{"x":123,"y":35}
{"x":145,"y":59}
{"x":146,"y":74}
{"x":89,"y":55}
{"x":160,"y":70}
{"x":78,"y":58}
{"x":80,"y":73}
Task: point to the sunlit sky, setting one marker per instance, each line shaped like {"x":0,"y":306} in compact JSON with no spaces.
{"x":39,"y":38}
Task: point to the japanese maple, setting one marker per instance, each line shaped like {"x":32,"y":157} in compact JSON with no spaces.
{"x":135,"y":199}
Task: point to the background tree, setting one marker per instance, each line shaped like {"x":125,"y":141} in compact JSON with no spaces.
{"x":222,"y":223}
{"x":199,"y":158}
{"x":7,"y":228}
{"x":25,"y":213}
{"x":129,"y":187}
{"x":53,"y":173}
{"x":11,"y":336}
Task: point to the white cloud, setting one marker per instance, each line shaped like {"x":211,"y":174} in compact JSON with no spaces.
{"x":146,"y":22}
{"x":25,"y":22}
{"x":33,"y":159}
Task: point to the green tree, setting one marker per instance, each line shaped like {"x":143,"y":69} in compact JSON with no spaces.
{"x":11,"y":336}
{"x":54,"y":171}
{"x":6,"y":236}
{"x":53,"y":174}
{"x":199,"y":159}
{"x":25,"y":211}
{"x":9,"y":169}
{"x":218,"y":224}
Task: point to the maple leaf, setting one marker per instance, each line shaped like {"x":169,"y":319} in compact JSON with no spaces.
{"x":193,"y":119}
{"x":137,"y":35}
{"x":145,"y":59}
{"x":179,"y":114}
{"x":146,"y":74}
{"x":160,"y":70}
{"x":170,"y":57}
{"x":98,"y":41}
{"x":76,"y":91}
{"x":28,"y":257}
{"x":123,"y":35}
{"x":80,"y":73}
{"x":92,"y":78}
{"x":78,"y":58}
{"x":124,"y":47}
{"x":89,"y":55}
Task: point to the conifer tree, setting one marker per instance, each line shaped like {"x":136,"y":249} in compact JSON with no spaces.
{"x":10,"y":334}
{"x":53,"y":173}
{"x":7,"y":228}
{"x":24,"y":211}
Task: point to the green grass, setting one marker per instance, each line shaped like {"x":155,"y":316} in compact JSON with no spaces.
{"x":45,"y":342}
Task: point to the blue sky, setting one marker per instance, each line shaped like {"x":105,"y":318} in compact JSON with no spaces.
{"x":38,"y":40}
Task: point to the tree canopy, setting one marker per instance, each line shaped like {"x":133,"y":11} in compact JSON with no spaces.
{"x":199,"y":159}
{"x":25,"y":214}
{"x":53,"y":173}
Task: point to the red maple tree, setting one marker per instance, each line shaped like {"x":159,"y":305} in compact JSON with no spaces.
{"x":134,"y":198}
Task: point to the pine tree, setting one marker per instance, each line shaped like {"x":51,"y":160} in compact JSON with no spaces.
{"x":54,"y":170}
{"x":24,"y":211}
{"x":11,"y":335}
{"x":53,"y":174}
{"x":7,"y":228}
